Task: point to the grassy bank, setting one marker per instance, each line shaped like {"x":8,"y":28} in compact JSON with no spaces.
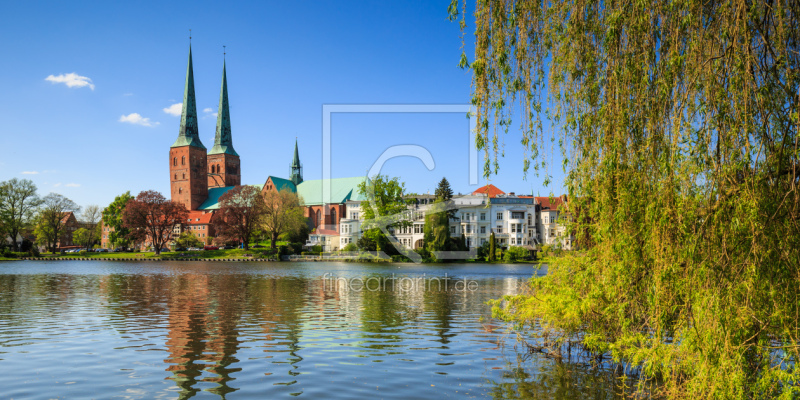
{"x":208,"y":254}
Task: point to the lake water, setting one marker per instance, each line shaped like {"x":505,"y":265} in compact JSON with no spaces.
{"x":142,"y":330}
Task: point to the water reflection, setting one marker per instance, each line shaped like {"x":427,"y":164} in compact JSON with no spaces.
{"x":240,"y":332}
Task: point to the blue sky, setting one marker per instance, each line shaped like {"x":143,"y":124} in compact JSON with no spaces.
{"x":110,"y":131}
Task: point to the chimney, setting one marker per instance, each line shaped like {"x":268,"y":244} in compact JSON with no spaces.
{"x":511,"y":194}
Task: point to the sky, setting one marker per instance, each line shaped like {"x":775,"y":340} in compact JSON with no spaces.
{"x":89,"y":92}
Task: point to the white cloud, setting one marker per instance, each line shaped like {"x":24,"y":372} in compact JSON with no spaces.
{"x":136,"y":119}
{"x":30,"y":172}
{"x":73,"y":185}
{"x":57,"y":184}
{"x":174,"y":109}
{"x":72,"y":80}
{"x":208,"y":110}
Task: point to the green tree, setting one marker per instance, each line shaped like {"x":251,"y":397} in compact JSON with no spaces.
{"x":51,"y":219}
{"x":187,"y":240}
{"x":83,"y":237}
{"x":492,"y":248}
{"x":18,"y":205}
{"x":282,"y":214}
{"x":112,"y":218}
{"x":90,"y":217}
{"x":681,"y":120}
{"x":515,"y":253}
{"x":385,"y":206}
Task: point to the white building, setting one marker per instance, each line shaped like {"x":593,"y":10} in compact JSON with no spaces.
{"x":525,"y":221}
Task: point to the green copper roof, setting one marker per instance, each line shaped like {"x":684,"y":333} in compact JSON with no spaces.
{"x":281,"y":184}
{"x":188,"y":134}
{"x":212,"y":202}
{"x":223,"y":143}
{"x":342,"y":190}
{"x":296,"y":159}
{"x":297,"y":170}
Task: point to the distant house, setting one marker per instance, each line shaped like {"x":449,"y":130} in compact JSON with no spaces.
{"x":489,"y":190}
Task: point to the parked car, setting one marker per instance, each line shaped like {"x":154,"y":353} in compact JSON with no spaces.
{"x":102,"y":250}
{"x":165,"y":249}
{"x":210,"y":248}
{"x":258,"y":246}
{"x":119,"y":250}
{"x":228,"y":247}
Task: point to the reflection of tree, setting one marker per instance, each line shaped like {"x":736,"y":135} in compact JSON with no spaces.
{"x":439,"y":299}
{"x":549,"y":379}
{"x":276,"y":304}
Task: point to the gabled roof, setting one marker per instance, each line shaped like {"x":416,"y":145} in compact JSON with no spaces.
{"x":490,"y":190}
{"x":329,"y":232}
{"x":342,"y":190}
{"x":212,"y":201}
{"x":199,"y":218}
{"x":547,"y":204}
{"x":281,"y":183}
{"x":66,"y":216}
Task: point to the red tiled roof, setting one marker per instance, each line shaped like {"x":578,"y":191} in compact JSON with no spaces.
{"x":199,"y":218}
{"x":546,"y":202}
{"x":320,"y":231}
{"x":66,"y":216}
{"x":489,"y":189}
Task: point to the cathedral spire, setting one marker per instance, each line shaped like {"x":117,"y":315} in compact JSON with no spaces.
{"x":223,"y":144}
{"x":188,"y":134}
{"x":297,"y":169}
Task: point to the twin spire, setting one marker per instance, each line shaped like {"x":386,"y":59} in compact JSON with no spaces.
{"x":188,"y":134}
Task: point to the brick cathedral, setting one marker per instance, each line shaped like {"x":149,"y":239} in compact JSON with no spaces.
{"x":199,"y":177}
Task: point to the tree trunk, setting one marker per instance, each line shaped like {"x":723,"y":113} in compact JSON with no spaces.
{"x":273,"y":245}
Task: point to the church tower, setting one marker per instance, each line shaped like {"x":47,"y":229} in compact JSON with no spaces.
{"x":297,"y":169}
{"x":223,"y":161}
{"x":187,"y":156}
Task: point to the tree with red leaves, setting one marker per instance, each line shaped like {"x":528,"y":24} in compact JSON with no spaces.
{"x":241,"y":212}
{"x":152,"y":217}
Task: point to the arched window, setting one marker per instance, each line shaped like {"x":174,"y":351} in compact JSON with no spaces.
{"x":180,"y":190}
{"x":183,"y":160}
{"x":333,"y":215}
{"x":175,"y":161}
{"x":213,"y":169}
{"x":319,"y":219}
{"x":184,"y":176}
{"x":176,"y":177}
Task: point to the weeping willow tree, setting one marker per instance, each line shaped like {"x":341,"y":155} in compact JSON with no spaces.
{"x":678,"y":126}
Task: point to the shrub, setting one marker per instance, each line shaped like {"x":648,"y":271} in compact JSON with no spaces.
{"x":350,"y":247}
{"x":297,"y":248}
{"x":515,"y":253}
{"x":400,"y":258}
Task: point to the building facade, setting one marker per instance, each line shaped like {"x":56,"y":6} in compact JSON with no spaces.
{"x":523,"y":221}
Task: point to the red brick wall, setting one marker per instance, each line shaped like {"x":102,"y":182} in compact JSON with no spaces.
{"x":327,"y":219}
{"x":229,"y":167}
{"x":188,"y":176}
